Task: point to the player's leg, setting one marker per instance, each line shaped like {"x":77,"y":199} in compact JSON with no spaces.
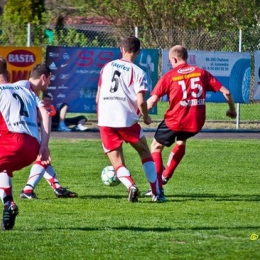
{"x":13,"y":148}
{"x":116,"y":158}
{"x":10,"y":208}
{"x":51,"y":177}
{"x":148,"y":164}
{"x":134,"y":135}
{"x":62,"y":114}
{"x":78,"y":122}
{"x":112,"y":145}
{"x":176,"y":154}
{"x":36,"y":173}
{"x":175,"y":157}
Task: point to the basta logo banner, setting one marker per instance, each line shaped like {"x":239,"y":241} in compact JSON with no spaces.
{"x":232,"y":69}
{"x":75,"y":73}
{"x":20,"y":61}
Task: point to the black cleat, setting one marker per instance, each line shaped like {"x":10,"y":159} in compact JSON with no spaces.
{"x":9,"y":216}
{"x":64,"y":193}
{"x":133,"y":194}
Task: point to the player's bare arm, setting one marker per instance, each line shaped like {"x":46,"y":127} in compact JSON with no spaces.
{"x":232,"y":110}
{"x":142,"y":105}
{"x":44,"y":153}
{"x":97,"y":95}
{"x":152,"y":101}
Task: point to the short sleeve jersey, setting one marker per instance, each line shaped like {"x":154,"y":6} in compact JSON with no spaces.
{"x":186,"y":88}
{"x":120,"y":81}
{"x":18,"y":109}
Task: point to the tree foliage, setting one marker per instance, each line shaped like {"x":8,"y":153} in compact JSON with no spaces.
{"x":169,"y":14}
{"x":27,"y":11}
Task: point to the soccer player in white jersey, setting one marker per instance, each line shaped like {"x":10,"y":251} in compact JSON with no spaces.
{"x":39,"y":77}
{"x":121,"y":101}
{"x":20,"y":141}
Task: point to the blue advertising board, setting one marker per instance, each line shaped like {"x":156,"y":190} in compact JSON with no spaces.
{"x":232,"y":69}
{"x":75,"y":73}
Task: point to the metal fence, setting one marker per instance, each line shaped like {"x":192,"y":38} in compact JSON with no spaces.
{"x":107,"y":36}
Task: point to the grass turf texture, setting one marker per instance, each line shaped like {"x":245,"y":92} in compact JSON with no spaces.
{"x":212,"y":209}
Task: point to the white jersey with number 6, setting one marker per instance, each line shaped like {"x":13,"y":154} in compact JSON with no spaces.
{"x":18,"y":108}
{"x":119,"y":83}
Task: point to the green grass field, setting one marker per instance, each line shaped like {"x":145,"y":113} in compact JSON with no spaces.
{"x":211,"y":212}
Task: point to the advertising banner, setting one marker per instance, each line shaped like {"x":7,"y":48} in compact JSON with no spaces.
{"x":20,"y":61}
{"x":232,"y":69}
{"x":75,"y":73}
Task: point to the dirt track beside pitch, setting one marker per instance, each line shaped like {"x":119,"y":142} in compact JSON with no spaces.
{"x":94,"y":134}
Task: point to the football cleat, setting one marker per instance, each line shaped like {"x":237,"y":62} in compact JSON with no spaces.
{"x":158,"y":198}
{"x":30,"y":195}
{"x":64,"y":193}
{"x":9,"y":216}
{"x":148,"y":193}
{"x":164,"y":180}
{"x":133,"y":194}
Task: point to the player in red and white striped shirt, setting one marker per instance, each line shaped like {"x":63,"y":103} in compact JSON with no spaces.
{"x":186,"y":86}
{"x":121,"y":101}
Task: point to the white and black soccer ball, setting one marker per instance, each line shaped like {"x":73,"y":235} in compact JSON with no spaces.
{"x":108,"y":176}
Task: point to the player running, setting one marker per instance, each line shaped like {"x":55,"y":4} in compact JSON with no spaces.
{"x":121,"y":101}
{"x":185,"y":86}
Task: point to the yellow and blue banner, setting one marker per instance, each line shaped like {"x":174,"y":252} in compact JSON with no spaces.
{"x":20,"y":61}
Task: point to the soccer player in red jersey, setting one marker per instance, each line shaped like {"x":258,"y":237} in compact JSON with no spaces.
{"x":20,"y":141}
{"x":185,"y":86}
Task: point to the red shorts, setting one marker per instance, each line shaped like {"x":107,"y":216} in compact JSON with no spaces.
{"x":17,"y":151}
{"x":112,"y":138}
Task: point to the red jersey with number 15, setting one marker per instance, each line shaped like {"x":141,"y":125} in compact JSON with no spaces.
{"x":186,"y":88}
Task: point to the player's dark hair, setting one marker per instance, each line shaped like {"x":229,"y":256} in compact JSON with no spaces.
{"x":40,"y":69}
{"x":3,"y":66}
{"x":131,"y":44}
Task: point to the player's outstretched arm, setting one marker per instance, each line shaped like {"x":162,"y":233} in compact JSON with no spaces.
{"x":152,"y":101}
{"x":231,"y":112}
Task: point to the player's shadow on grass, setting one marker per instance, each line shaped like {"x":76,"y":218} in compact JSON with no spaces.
{"x":182,"y":197}
{"x":103,"y":196}
{"x":215,"y":197}
{"x":161,"y":229}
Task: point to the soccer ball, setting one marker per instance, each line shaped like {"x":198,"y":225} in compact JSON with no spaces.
{"x":108,"y":176}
